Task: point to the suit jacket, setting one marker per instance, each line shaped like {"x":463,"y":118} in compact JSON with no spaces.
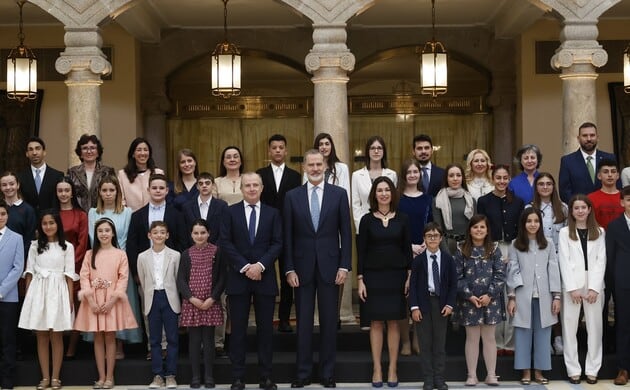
{"x":216,"y":211}
{"x":361,"y":186}
{"x":419,"y":282}
{"x":239,"y":251}
{"x":574,"y":177}
{"x":137,"y":240}
{"x":572,"y":266}
{"x":87,"y":198}
{"x":169,"y":277}
{"x":11,"y":266}
{"x":330,"y":247}
{"x":275,"y":197}
{"x":436,"y":180}
{"x":47,"y":197}
{"x":618,"y":254}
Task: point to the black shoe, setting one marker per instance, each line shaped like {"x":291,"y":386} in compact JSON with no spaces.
{"x":237,"y":385}
{"x":299,"y":383}
{"x":284,"y":327}
{"x":427,"y":386}
{"x":267,"y":384}
{"x":440,"y":385}
{"x":219,"y":352}
{"x":328,"y":382}
{"x":209,"y":384}
{"x":195,"y":382}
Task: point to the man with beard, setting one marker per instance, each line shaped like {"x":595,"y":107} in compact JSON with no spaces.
{"x":432,"y":175}
{"x":578,"y":170}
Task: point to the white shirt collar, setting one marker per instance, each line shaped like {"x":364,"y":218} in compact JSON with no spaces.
{"x":200,"y":202}
{"x":585,"y":155}
{"x":276,"y":167}
{"x":42,"y":169}
{"x":429,"y":253}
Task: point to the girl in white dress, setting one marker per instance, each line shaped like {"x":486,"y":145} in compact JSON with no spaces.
{"x":48,"y":303}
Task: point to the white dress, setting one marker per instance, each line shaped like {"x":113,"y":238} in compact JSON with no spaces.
{"x":47,"y":301}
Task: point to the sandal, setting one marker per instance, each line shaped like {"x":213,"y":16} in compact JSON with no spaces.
{"x":542,"y":380}
{"x":527,"y":381}
{"x":97,"y":385}
{"x":43,"y":384}
{"x":108,"y":384}
{"x":55,"y":384}
{"x":471,"y":381}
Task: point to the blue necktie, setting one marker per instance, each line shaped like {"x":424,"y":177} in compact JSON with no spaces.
{"x":425,"y":180}
{"x":38,"y":180}
{"x":436,"y":275}
{"x":252,"y":223}
{"x":315,"y":208}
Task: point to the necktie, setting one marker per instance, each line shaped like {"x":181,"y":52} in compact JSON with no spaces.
{"x":203,"y":210}
{"x":591,"y":169}
{"x":425,"y":180}
{"x":38,"y":180}
{"x":252,"y":223}
{"x":436,"y":275}
{"x":315,"y":208}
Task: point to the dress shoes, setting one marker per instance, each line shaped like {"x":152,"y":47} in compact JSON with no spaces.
{"x":285,"y":327}
{"x":622,"y":378}
{"x":591,"y":380}
{"x":267,"y":384}
{"x":328,"y":383}
{"x":237,"y":385}
{"x":575,"y":380}
{"x":299,"y":383}
{"x":427,"y":386}
{"x":441,"y":385}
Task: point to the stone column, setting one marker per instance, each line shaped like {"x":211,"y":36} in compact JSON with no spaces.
{"x":83,"y":63}
{"x":330,"y":61}
{"x":502,"y":100}
{"x":155,"y":108}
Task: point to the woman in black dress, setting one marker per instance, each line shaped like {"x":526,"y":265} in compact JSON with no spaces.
{"x":384,"y":249}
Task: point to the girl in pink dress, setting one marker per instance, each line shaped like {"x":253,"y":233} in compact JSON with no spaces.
{"x":104,"y":306}
{"x":201,"y":281}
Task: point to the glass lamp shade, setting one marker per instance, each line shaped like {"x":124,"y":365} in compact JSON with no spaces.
{"x":433,"y":71}
{"x":626,"y":70}
{"x":226,"y":70}
{"x":21,"y":74}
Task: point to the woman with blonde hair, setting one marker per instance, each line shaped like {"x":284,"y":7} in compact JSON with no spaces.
{"x":478,"y":173}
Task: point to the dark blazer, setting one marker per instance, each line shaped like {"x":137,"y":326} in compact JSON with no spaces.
{"x":618,"y":254}
{"x":138,"y":241}
{"x":305,"y":248}
{"x":47,"y":197}
{"x":436,"y":180}
{"x":574,"y":177}
{"x":239,"y":251}
{"x":87,"y":198}
{"x":272,"y":197}
{"x":503,"y":216}
{"x":216,"y":211}
{"x":218,"y":276}
{"x":419,"y":282}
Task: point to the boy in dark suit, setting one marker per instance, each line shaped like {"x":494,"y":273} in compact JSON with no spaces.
{"x":206,"y":207}
{"x":39,"y":181}
{"x":432,"y":292}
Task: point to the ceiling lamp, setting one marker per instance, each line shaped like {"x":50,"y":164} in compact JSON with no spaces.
{"x":226,"y":65}
{"x":626,"y":69}
{"x":21,"y":69}
{"x":433,"y":73}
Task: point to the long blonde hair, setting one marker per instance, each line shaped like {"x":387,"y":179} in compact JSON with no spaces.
{"x":468,"y":173}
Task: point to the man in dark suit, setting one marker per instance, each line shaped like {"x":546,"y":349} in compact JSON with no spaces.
{"x":251,"y":240}
{"x":432,"y":175}
{"x":206,"y":207}
{"x":431,"y":303}
{"x":578,"y":170}
{"x":277,"y":179}
{"x":318,"y":255}
{"x":617,"y":271}
{"x":38,"y":183}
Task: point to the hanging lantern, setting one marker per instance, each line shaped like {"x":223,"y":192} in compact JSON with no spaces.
{"x":434,"y":59}
{"x":21,"y":69}
{"x":226,"y":65}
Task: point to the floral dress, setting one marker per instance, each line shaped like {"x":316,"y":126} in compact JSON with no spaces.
{"x":478,"y":276}
{"x":200,"y":284}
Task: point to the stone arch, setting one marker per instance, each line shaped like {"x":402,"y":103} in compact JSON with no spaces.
{"x":329,"y":12}
{"x":84,"y":13}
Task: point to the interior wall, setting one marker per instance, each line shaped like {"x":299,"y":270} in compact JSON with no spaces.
{"x":539,"y":116}
{"x":120,"y":113}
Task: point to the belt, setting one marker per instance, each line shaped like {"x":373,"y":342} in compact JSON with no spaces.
{"x":432,"y":294}
{"x":456,"y":237}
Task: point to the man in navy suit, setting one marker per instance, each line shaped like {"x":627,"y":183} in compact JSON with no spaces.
{"x":318,"y":255}
{"x":206,"y":207}
{"x":39,"y":175}
{"x":432,"y":175}
{"x":617,"y":271}
{"x":277,"y":180}
{"x":431,"y":303}
{"x":251,"y":240}
{"x":578,"y":170}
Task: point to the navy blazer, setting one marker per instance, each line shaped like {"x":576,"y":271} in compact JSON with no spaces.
{"x":216,"y":211}
{"x":275,"y":197}
{"x":617,"y":254}
{"x":574,"y":177}
{"x":305,"y":248}
{"x":419,"y":282}
{"x":436,"y":181}
{"x":239,"y":251}
{"x":47,"y":197}
{"x":138,"y":241}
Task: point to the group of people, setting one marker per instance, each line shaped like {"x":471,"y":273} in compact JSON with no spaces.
{"x":501,"y":256}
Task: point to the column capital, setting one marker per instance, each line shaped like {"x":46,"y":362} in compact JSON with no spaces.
{"x":329,"y":49}
{"x":568,"y":57}
{"x":83,"y":60}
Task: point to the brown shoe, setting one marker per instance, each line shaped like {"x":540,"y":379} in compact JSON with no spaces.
{"x":622,"y":378}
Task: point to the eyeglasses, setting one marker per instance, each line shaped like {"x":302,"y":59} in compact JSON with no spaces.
{"x":88,"y":148}
{"x":432,"y":236}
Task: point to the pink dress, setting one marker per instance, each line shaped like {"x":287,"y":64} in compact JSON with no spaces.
{"x":107,"y":280}
{"x":201,"y":287}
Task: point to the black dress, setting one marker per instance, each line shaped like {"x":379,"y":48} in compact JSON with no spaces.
{"x":384,"y":256}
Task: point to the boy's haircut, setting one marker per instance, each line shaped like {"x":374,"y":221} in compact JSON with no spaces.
{"x":156,"y":224}
{"x":277,"y":137}
{"x":422,"y":138}
{"x":4,"y":205}
{"x":35,"y":139}
{"x":607,"y":162}
{"x":625,"y":191}
{"x":432,"y":226}
{"x":206,"y":176}
{"x":158,"y":176}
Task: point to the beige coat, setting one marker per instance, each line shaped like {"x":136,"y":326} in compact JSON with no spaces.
{"x":147,"y":279}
